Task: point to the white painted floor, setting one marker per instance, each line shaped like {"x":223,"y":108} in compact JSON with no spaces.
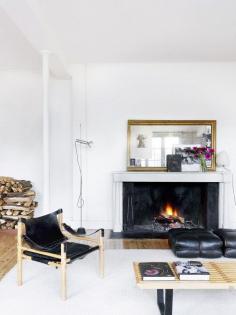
{"x":116,"y":294}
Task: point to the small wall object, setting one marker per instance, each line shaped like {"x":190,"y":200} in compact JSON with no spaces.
{"x":138,"y":162}
{"x":174,"y":163}
{"x":132,"y":162}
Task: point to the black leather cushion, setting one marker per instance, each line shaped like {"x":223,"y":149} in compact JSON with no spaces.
{"x":228,"y":236}
{"x":73,"y":251}
{"x":183,"y":243}
{"x":44,"y":232}
{"x":193,"y":243}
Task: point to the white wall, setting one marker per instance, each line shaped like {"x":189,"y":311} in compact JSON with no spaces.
{"x":61,"y":146}
{"x":21,"y":126}
{"x":105,"y":96}
{"x":21,"y":134}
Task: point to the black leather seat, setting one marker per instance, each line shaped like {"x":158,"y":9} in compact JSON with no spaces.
{"x":73,"y":251}
{"x":44,"y":233}
{"x":228,"y":237}
{"x":193,"y":243}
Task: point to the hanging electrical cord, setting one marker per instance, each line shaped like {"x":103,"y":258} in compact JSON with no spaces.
{"x":80,"y":200}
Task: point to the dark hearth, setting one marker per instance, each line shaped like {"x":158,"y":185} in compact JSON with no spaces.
{"x":155,"y":208}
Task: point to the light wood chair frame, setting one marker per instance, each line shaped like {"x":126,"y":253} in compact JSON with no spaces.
{"x":22,"y":246}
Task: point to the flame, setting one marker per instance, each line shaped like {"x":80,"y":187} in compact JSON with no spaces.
{"x":170,"y":211}
{"x":175,"y":213}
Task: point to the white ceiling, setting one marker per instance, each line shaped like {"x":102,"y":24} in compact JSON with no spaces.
{"x":15,"y":50}
{"x":142,"y":30}
{"x":84,"y":31}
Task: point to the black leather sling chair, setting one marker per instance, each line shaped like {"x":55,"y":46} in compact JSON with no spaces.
{"x":47,"y":240}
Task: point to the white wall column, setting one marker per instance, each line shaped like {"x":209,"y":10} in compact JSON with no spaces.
{"x":46,"y":155}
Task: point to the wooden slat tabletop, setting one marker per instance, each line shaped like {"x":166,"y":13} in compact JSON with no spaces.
{"x":222,"y":276}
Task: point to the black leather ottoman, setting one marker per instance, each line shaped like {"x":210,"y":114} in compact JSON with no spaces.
{"x":228,"y":237}
{"x":193,"y":243}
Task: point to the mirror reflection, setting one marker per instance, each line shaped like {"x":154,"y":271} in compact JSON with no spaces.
{"x":149,"y":145}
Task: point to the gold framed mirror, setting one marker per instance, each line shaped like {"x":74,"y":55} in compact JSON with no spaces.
{"x":150,"y":141}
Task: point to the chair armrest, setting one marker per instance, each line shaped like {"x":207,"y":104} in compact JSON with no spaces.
{"x":72,"y":234}
{"x":29,"y":249}
{"x":69,"y":229}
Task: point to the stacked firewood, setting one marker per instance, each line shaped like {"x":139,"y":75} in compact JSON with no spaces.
{"x":16,"y":200}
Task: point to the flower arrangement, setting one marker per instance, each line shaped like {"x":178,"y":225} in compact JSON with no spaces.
{"x":203,"y":154}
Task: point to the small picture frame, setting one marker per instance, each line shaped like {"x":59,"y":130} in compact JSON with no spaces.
{"x":174,"y":162}
{"x":132,"y":162}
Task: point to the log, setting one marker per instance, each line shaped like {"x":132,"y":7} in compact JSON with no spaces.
{"x":2,"y":188}
{"x":16,"y":212}
{"x":21,"y":194}
{"x":11,"y":200}
{"x":26,"y":213}
{"x":13,"y":207}
{"x":16,"y":218}
{"x":27,"y":204}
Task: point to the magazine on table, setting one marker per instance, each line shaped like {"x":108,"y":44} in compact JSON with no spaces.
{"x":156,"y":271}
{"x":191,"y":270}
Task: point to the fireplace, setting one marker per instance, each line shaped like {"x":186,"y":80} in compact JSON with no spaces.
{"x":154,"y":208}
{"x":214,"y":185}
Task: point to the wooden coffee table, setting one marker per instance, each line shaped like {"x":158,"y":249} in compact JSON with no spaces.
{"x":222,"y":276}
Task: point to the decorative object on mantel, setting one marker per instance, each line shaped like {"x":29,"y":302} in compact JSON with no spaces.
{"x":132,"y":162}
{"x":222,"y":159}
{"x":16,"y":201}
{"x":174,"y":163}
{"x":201,"y":155}
{"x":150,"y":141}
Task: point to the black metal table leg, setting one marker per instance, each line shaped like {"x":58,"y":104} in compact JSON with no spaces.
{"x":160,"y":301}
{"x":165,"y":307}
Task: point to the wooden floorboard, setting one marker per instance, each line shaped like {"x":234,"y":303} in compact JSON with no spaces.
{"x":136,"y":244}
{"x":7,"y":251}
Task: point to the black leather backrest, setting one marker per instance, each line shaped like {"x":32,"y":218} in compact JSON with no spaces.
{"x":44,"y":231}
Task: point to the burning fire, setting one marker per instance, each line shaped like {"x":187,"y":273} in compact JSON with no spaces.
{"x":169,"y":218}
{"x":169,"y":211}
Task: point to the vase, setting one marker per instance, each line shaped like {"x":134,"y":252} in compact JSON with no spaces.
{"x":203,"y":163}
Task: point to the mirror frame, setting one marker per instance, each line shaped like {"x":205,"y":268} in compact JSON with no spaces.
{"x":212,"y":123}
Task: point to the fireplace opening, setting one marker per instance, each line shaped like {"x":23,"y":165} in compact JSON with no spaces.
{"x":155,"y":208}
{"x":171,"y":218}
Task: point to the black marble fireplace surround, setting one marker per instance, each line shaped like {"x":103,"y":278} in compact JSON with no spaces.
{"x":151,"y":209}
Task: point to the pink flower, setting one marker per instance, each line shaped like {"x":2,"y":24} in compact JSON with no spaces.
{"x":208,"y":156}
